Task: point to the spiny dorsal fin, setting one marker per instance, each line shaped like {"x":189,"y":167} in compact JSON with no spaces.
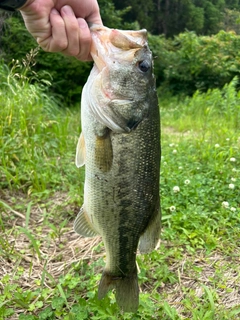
{"x":83,"y":226}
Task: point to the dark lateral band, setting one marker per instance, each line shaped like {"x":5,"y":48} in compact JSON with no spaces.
{"x":11,"y":5}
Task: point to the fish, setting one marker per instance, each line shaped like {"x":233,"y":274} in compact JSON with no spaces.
{"x":120,"y":148}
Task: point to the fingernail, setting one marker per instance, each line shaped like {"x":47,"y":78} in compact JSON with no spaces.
{"x":54,"y":11}
{"x":68,"y":10}
{"x":82,"y":23}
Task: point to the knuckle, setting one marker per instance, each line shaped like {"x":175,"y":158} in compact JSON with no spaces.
{"x":61,"y":44}
{"x":72,"y":51}
{"x":53,"y":45}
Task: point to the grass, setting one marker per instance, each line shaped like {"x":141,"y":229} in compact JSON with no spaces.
{"x":48,"y":272}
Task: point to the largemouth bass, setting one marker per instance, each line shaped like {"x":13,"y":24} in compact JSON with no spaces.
{"x":120,"y":147}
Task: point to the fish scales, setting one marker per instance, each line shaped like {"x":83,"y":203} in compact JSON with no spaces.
{"x":122,"y":160}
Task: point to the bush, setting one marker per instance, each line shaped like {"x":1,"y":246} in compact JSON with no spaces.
{"x":188,"y":62}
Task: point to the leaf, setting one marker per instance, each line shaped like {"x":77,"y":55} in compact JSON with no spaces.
{"x":58,"y":303}
{"x":33,"y":241}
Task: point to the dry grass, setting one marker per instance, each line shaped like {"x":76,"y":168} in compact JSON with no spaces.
{"x":218,"y":272}
{"x":226,"y":284}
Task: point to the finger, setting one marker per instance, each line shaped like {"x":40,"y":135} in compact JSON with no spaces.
{"x":85,"y":41}
{"x":57,"y":40}
{"x":72,"y":31}
{"x":94,"y":18}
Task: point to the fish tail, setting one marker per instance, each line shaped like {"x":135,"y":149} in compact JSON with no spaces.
{"x":127,"y":293}
{"x":127,"y":290}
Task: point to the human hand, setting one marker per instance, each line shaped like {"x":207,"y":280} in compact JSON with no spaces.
{"x":61,"y":25}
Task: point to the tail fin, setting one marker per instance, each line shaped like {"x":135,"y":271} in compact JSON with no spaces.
{"x":127,"y":290}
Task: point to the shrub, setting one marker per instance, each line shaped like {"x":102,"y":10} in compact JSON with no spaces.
{"x":189,"y":62}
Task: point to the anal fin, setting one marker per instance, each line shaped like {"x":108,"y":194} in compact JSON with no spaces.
{"x":149,"y":240}
{"x":83,"y":226}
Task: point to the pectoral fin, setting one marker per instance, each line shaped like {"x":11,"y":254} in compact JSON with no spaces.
{"x":81,"y":152}
{"x":150,"y":238}
{"x":103,"y":152}
{"x":83,"y":226}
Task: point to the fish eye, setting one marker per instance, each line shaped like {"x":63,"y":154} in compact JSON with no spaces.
{"x":143,"y":66}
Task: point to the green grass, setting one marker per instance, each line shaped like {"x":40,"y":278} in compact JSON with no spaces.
{"x":48,"y":272}
{"x":37,"y":138}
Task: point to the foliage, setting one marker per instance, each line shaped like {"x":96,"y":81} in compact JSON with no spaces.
{"x":68,"y":74}
{"x":113,"y":18}
{"x":161,"y":49}
{"x":195,"y":269}
{"x":189,"y":62}
{"x":183,"y":64}
{"x":172,"y":17}
{"x":231,"y":21}
{"x":31,"y":117}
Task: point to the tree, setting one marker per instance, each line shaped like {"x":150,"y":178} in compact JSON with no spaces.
{"x":138,"y":10}
{"x":233,"y":4}
{"x":231,"y":20}
{"x":170,"y":17}
{"x":213,"y":16}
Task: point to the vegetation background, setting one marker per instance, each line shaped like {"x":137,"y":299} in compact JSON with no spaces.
{"x":194,"y":42}
{"x":47,"y":271}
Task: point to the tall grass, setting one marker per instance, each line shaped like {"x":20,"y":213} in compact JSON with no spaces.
{"x":36,"y":135}
{"x":215,"y":113}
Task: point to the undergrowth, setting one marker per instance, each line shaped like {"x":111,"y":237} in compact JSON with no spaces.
{"x":37,"y":136}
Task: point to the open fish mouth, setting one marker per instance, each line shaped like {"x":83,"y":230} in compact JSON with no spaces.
{"x":120,"y":44}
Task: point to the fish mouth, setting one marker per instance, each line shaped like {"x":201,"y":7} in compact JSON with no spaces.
{"x":112,"y":43}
